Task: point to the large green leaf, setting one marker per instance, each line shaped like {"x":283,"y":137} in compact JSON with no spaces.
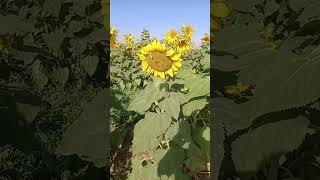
{"x":227,"y":119}
{"x":201,"y":137}
{"x":193,"y":106}
{"x":15,"y":24}
{"x":143,"y":100}
{"x":87,"y":135}
{"x":27,"y":111}
{"x":167,"y":162}
{"x":171,"y":105}
{"x":276,"y":89}
{"x":198,"y":86}
{"x":258,"y":145}
{"x":148,"y":131}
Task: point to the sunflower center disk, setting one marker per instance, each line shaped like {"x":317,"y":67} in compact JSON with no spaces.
{"x":159,"y":61}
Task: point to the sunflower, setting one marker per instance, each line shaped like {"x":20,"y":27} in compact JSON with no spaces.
{"x":128,"y":38}
{"x":113,"y":37}
{"x":156,"y":60}
{"x":187,"y":31}
{"x":183,"y":45}
{"x":171,"y":36}
{"x":205,"y":39}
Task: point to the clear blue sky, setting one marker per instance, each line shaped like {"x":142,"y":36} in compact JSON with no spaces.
{"x":158,"y":16}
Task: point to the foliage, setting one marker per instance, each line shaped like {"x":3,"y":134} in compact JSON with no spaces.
{"x":170,"y":116}
{"x":265,"y":64}
{"x":52,"y":72}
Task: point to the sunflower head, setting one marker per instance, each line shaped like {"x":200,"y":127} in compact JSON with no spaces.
{"x":171,"y":36}
{"x":183,"y":45}
{"x":156,"y":60}
{"x":128,"y":38}
{"x":205,"y":39}
{"x":187,"y":31}
{"x":113,"y":31}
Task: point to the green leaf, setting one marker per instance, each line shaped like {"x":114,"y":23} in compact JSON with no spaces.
{"x":26,"y":57}
{"x":15,"y":24}
{"x":258,"y":145}
{"x":228,"y":118}
{"x":28,"y":111}
{"x":54,"y":41}
{"x":61,"y":75}
{"x":199,"y":86}
{"x":201,"y":137}
{"x":171,"y":105}
{"x":220,"y":9}
{"x":39,"y":78}
{"x":166,"y":165}
{"x":205,"y":61}
{"x":143,"y":100}
{"x":196,"y":160}
{"x":52,"y":7}
{"x":193,"y":106}
{"x":90,"y":64}
{"x":87,"y":136}
{"x":167,"y":162}
{"x":148,"y":131}
{"x":275,"y":89}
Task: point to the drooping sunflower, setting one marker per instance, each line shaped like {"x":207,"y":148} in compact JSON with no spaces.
{"x":171,"y":36}
{"x":187,"y":31}
{"x":156,"y":60}
{"x":205,"y":39}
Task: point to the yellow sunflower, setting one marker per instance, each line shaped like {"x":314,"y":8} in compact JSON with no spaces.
{"x":128,"y":38}
{"x":113,"y":37}
{"x":183,"y":45}
{"x":156,"y":60}
{"x":146,"y":34}
{"x":171,"y":36}
{"x":187,"y":31}
{"x":205,"y":39}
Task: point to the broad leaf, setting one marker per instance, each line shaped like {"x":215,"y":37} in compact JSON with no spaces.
{"x":258,"y":145}
{"x":193,"y":106}
{"x":90,"y":64}
{"x":144,"y":99}
{"x":171,"y":105}
{"x":87,"y":135}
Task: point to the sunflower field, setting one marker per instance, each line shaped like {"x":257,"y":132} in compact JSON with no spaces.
{"x":160,"y":114}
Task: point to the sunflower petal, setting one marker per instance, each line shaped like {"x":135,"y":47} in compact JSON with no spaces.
{"x":170,"y":52}
{"x":162,"y":75}
{"x":178,"y":64}
{"x":176,"y":57}
{"x":142,"y":57}
{"x":170,"y":72}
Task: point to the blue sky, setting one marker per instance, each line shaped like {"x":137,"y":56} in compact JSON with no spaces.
{"x":158,"y":16}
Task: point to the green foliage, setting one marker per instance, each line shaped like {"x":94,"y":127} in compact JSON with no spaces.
{"x":273,"y":47}
{"x":163,"y":146}
{"x":56,"y":66}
